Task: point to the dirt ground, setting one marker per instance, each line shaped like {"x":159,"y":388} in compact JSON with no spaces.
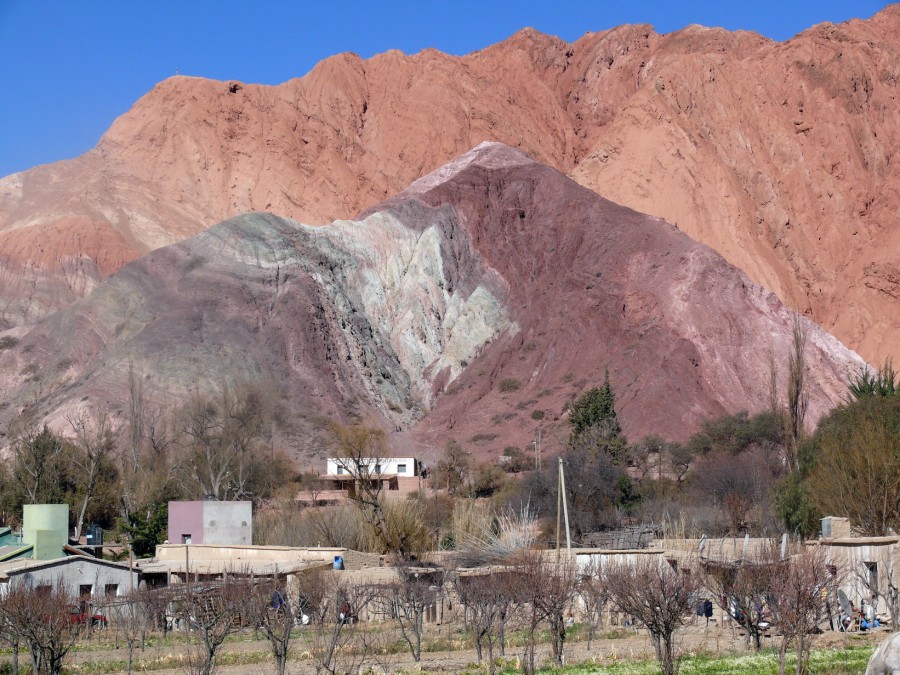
{"x":695,"y":638}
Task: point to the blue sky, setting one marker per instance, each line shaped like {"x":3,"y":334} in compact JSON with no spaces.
{"x":70,"y":67}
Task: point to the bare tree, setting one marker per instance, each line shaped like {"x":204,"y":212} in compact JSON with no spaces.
{"x":407,"y":600}
{"x":741,"y":588}
{"x":275,"y":613}
{"x":453,"y":469}
{"x":334,"y":641}
{"x":361,"y":450}
{"x":545,"y":590}
{"x":41,"y":618}
{"x":558,"y":584}
{"x":9,"y":634}
{"x":211,"y":611}
{"x":798,"y":591}
{"x":95,"y":443}
{"x":738,"y":483}
{"x":773,"y":380}
{"x":145,"y":465}
{"x":221,"y":433}
{"x":36,"y":451}
{"x":657,"y":596}
{"x":523,"y":589}
{"x":129,"y":617}
{"x":594,"y":597}
{"x":484,"y":600}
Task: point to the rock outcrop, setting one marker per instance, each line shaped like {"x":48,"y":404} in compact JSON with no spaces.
{"x":475,"y":304}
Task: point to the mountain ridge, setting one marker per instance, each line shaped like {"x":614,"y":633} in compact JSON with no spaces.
{"x":494,"y":269}
{"x":781,"y":156}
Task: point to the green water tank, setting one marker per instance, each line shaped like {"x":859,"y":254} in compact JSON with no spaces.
{"x":46,"y":527}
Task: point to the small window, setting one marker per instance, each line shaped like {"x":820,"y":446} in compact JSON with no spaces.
{"x":872,"y":573}
{"x":186,"y":539}
{"x":378,"y":468}
{"x":340,"y":470}
{"x":111,"y":590}
{"x":401,"y":468}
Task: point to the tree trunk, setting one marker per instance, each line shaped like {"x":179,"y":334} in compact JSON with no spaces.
{"x":417,"y":656}
{"x":558,"y":636}
{"x":801,"y":662}
{"x":665,"y":654}
{"x":782,"y":655}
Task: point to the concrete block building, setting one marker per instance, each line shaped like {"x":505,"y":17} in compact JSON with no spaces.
{"x":211,"y":522}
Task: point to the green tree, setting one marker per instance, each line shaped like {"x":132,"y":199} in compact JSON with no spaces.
{"x":146,"y":528}
{"x":733,"y":434}
{"x":855,"y":464}
{"x":595,"y":407}
{"x":595,"y":424}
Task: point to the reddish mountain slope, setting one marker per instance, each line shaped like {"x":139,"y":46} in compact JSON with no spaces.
{"x":489,"y":290}
{"x":779,"y":156}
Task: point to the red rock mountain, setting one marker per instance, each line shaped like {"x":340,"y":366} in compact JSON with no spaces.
{"x":781,"y":156}
{"x":474,"y":305}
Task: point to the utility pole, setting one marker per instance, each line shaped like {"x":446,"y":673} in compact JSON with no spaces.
{"x":562,"y":508}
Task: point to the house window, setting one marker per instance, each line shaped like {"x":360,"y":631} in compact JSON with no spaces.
{"x":872,"y":577}
{"x":111,"y":590}
{"x":340,"y":470}
{"x":401,"y":468}
{"x":378,"y":468}
{"x":186,"y":539}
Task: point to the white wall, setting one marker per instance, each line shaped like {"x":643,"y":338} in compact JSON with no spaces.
{"x":401,"y":466}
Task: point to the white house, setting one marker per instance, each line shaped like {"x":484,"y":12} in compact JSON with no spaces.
{"x":397,"y":475}
{"x":403,"y":467}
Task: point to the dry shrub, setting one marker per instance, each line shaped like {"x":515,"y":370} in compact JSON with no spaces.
{"x":339,"y":525}
{"x":488,"y":537}
{"x":470,"y":520}
{"x":405,"y":530}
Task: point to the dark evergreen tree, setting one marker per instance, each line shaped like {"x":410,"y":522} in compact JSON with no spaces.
{"x":146,"y":528}
{"x":595,"y":424}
